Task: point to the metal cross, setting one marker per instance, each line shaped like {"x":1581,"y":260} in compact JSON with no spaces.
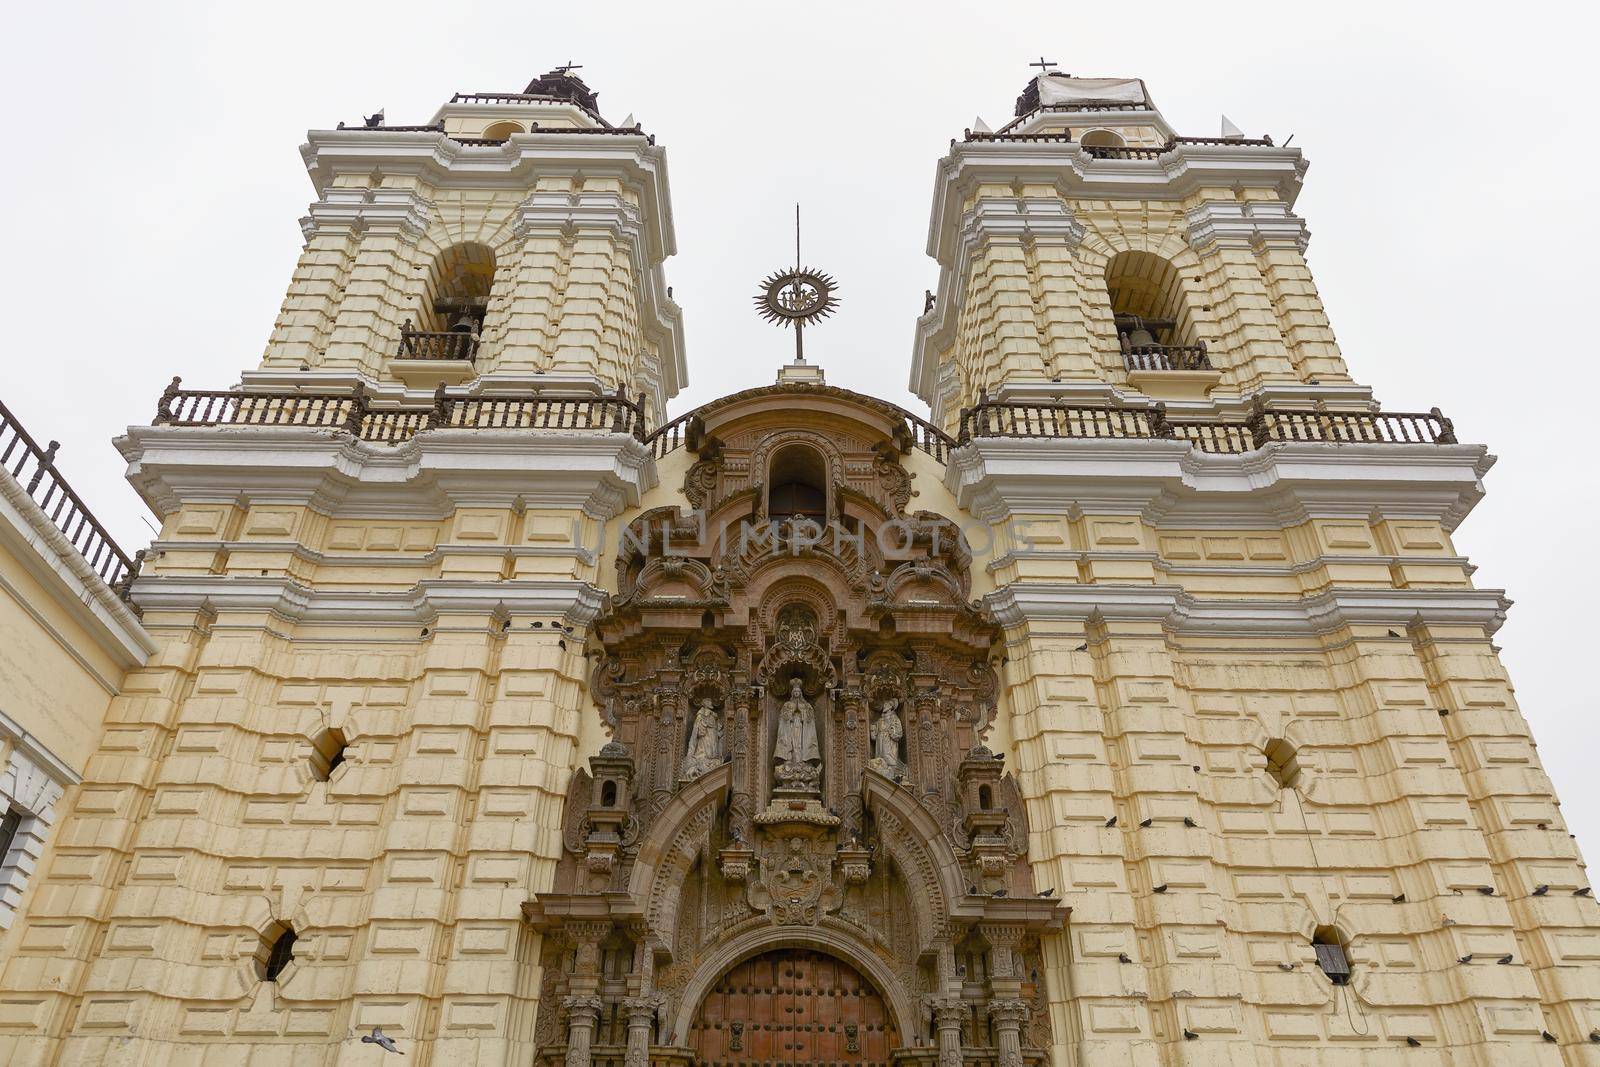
{"x":568,"y":67}
{"x":1044,"y":65}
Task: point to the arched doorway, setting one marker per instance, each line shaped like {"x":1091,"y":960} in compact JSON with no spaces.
{"x":796,"y":1007}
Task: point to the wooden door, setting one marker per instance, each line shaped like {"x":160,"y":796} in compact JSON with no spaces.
{"x":793,"y":1008}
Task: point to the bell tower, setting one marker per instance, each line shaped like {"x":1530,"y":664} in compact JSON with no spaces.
{"x":514,"y":240}
{"x":1088,"y":251}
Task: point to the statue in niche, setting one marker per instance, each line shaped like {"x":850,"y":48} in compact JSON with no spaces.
{"x":705,"y":743}
{"x":886,"y":735}
{"x":797,"y":753}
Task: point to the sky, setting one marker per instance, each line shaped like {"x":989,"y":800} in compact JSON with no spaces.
{"x":155,"y":185}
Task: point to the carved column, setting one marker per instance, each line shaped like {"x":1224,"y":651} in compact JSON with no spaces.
{"x":948,"y":1015}
{"x":1008,"y":1017}
{"x":641,"y":1013}
{"x":582,"y":1015}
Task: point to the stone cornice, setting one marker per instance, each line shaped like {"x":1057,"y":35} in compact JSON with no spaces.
{"x":574,"y":602}
{"x":1181,"y":612}
{"x":1249,"y":224}
{"x":397,"y":211}
{"x":1182,"y":171}
{"x":427,"y":476}
{"x":443,"y":163}
{"x":1167,"y":483}
{"x":27,"y":533}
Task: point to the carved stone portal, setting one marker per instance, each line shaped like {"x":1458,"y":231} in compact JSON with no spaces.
{"x":797,"y":688}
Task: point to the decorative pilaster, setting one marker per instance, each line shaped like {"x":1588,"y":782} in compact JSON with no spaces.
{"x":1008,"y":1017}
{"x":948,"y":1015}
{"x":583,"y":1013}
{"x":641,"y":1015}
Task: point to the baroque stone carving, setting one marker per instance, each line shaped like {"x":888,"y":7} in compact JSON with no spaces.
{"x":798,"y":710}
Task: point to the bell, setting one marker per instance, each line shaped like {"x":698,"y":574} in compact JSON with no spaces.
{"x":1139,"y":336}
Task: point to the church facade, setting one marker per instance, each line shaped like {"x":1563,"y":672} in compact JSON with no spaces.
{"x":1132,"y":707}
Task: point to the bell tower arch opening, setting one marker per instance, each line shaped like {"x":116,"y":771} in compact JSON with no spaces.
{"x":797,"y":483}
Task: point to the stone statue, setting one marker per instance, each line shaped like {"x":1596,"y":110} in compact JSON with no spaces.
{"x":705,"y":743}
{"x":886,"y":734}
{"x":797,"y":753}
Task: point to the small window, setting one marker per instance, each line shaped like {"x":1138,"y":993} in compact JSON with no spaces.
{"x":501,"y":130}
{"x":1283,"y":763}
{"x":9,"y":825}
{"x":608,"y":794}
{"x":327,"y":753}
{"x":279,"y":951}
{"x":1331,"y":955}
{"x":985,"y":798}
{"x":1101,"y":139}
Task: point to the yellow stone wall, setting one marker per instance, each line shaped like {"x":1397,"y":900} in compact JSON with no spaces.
{"x":201,"y":824}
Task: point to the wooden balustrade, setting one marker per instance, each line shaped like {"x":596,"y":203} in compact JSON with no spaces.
{"x":437,"y":344}
{"x":35,"y":471}
{"x":1260,"y":428}
{"x":920,"y":434}
{"x":387,"y":423}
{"x":1166,"y":357}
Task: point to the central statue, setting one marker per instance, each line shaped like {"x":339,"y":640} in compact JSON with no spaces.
{"x":796,"y":752}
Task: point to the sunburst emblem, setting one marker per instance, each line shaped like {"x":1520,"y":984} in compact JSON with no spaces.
{"x":798,"y":296}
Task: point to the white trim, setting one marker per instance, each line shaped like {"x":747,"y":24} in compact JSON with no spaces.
{"x":29,"y":536}
{"x":426,"y":477}
{"x":1168,"y":483}
{"x":575,"y":602}
{"x":1181,"y":612}
{"x":1253,"y":224}
{"x":33,"y":781}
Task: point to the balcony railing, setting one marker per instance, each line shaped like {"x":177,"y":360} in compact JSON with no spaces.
{"x":1119,"y":151}
{"x":919,"y":433}
{"x":1166,"y":357}
{"x":34,"y":469}
{"x":382,"y":423}
{"x":437,"y":344}
{"x":1257,"y":430}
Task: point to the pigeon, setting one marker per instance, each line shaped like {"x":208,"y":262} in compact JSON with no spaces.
{"x":1189,"y":822}
{"x":1162,"y":888}
{"x":1465,"y":959}
{"x":1548,"y":1036}
{"x":1146,"y":823}
{"x":1581,"y":892}
{"x":1111,"y":821}
{"x":1123,"y":957}
{"x":381,"y":1039}
{"x":1540,"y":891}
{"x":1285,"y":966}
{"x":1047,"y":892}
{"x":999,"y":892}
{"x":1399,"y":898}
{"x":1413,"y":1042}
{"x":1188,"y":1034}
{"x":1486,"y":890}
{"x":1504,"y":959}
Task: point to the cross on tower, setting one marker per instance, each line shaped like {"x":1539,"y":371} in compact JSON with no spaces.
{"x":1043,"y":64}
{"x":568,"y":67}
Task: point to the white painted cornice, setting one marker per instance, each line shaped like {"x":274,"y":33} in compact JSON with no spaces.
{"x":1250,"y":224}
{"x":425,"y":477}
{"x":574,"y":602}
{"x":442,"y":163}
{"x":398,"y":211}
{"x":1180,"y":172}
{"x":1168,"y":483}
{"x":1181,"y":612}
{"x":28,"y":535}
{"x":1099,"y":118}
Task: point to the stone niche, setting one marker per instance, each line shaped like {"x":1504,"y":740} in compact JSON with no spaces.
{"x":797,"y":687}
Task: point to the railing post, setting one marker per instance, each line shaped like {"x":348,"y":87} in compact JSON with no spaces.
{"x":1257,"y":424}
{"x":123,"y":586}
{"x":638,"y":418}
{"x":1447,"y":428}
{"x":439,"y":414}
{"x":1159,"y":426}
{"x":164,"y":405}
{"x":46,"y":462}
{"x":358,"y":409}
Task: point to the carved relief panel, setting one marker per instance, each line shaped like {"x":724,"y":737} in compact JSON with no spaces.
{"x":797,"y":689}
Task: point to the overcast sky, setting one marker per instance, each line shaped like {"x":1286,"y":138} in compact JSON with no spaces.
{"x":154,"y":186}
